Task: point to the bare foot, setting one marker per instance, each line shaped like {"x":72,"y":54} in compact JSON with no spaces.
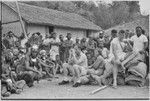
{"x":114,"y":86}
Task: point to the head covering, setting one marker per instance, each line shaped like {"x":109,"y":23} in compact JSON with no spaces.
{"x":35,"y":47}
{"x":43,"y":52}
{"x":15,"y":51}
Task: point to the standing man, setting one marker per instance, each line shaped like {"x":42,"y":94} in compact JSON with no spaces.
{"x":101,"y":36}
{"x":83,"y":44}
{"x":117,"y":54}
{"x":77,"y":42}
{"x":68,"y":45}
{"x":61,"y":48}
{"x":54,"y":46}
{"x":140,"y":41}
{"x":113,"y":34}
{"x":140,"y":44}
{"x":46,"y":41}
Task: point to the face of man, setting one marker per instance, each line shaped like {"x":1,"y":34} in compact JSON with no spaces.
{"x":100,"y":44}
{"x":121,"y":36}
{"x":15,"y":52}
{"x":138,"y":31}
{"x":113,"y":35}
{"x":77,"y":51}
{"x":54,"y":35}
{"x":126,"y":33}
{"x":68,"y":36}
{"x":77,"y":40}
{"x":106,"y":39}
{"x":34,"y":53}
{"x":61,"y":38}
{"x":101,"y":34}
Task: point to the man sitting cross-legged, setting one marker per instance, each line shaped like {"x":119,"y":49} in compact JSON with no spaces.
{"x":96,"y":68}
{"x":47,"y":65}
{"x":68,"y":68}
{"x":78,"y":68}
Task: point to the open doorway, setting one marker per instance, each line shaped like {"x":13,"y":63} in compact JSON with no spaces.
{"x":51,"y":29}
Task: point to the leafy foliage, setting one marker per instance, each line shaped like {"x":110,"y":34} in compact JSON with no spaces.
{"x":102,"y":14}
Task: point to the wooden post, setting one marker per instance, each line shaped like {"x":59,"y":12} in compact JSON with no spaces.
{"x":20,"y":18}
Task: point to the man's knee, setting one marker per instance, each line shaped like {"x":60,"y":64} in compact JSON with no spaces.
{"x":75,"y":66}
{"x":65,"y":65}
{"x":100,"y":58}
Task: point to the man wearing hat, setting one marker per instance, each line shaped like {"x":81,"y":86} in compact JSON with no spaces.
{"x":101,"y":36}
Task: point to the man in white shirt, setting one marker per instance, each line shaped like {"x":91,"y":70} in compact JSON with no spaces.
{"x":46,"y":40}
{"x":140,"y":41}
{"x":79,"y":68}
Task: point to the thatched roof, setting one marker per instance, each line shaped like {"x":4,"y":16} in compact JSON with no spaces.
{"x":44,"y":16}
{"x":142,"y":21}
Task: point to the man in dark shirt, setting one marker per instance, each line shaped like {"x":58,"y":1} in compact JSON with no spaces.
{"x":61,"y":48}
{"x":68,"y":45}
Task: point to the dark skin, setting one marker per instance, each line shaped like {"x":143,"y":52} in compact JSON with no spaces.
{"x":69,"y":38}
{"x":43,"y":64}
{"x":54,"y":37}
{"x":101,"y":35}
{"x":61,"y":38}
{"x":139,"y":33}
{"x":28,"y":66}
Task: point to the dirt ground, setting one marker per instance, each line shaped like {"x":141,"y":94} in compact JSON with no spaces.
{"x":51,"y":90}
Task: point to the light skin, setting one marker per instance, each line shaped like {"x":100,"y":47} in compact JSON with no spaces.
{"x":116,"y":61}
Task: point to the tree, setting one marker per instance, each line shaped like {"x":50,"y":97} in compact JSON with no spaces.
{"x":104,"y":15}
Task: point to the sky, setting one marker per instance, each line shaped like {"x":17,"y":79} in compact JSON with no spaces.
{"x":144,"y":5}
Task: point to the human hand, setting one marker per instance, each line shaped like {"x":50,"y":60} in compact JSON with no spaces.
{"x":142,"y":52}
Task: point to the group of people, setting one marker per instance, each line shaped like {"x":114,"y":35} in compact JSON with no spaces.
{"x":119,"y":59}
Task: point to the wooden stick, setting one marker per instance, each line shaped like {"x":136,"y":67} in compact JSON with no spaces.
{"x":99,"y":89}
{"x":20,"y":18}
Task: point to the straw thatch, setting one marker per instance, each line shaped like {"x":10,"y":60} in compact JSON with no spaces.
{"x":44,"y":16}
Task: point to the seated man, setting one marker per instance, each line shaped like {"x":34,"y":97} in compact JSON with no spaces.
{"x":30,"y":70}
{"x":68,"y":68}
{"x":80,"y":66}
{"x":9,"y":83}
{"x":46,"y":64}
{"x":96,"y":68}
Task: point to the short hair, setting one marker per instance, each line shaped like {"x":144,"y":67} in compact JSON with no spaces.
{"x":38,"y":33}
{"x":60,"y":35}
{"x":53,"y":33}
{"x":113,"y":31}
{"x":139,"y":27}
{"x":68,"y":34}
{"x":101,"y":31}
{"x":121,"y":32}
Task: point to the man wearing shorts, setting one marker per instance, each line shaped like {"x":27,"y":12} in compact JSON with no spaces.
{"x":79,"y":68}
